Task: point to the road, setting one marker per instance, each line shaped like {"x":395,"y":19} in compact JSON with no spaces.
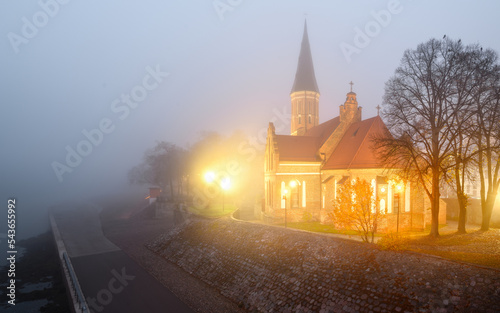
{"x":111,"y":281}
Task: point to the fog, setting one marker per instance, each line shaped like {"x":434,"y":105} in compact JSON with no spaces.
{"x":68,"y":69}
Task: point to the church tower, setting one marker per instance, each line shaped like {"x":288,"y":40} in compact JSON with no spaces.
{"x":305,"y":92}
{"x":349,"y":111}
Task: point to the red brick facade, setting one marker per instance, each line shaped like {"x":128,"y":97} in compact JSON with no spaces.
{"x":303,"y":170}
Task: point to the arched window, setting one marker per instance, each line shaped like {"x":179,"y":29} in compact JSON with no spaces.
{"x":294,"y":196}
{"x":335,"y":189}
{"x":396,"y":203}
{"x":374,"y":196}
{"x":382,"y":206}
{"x":304,"y":194}
{"x":407,"y":197}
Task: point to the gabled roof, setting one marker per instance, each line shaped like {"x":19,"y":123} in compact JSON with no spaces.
{"x":305,"y":148}
{"x":355,"y":148}
{"x":323,"y":130}
{"x":297,"y":148}
{"x":304,"y":77}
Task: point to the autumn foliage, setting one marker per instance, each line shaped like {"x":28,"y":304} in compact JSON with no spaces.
{"x":355,"y":207}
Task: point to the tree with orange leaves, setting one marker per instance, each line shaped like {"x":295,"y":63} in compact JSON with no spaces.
{"x":355,"y":207}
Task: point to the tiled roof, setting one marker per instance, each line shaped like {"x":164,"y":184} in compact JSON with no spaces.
{"x":324,"y":130}
{"x":355,"y":148}
{"x":305,"y":148}
{"x":297,"y":148}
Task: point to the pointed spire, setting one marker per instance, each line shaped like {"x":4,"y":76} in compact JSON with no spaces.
{"x":304,"y":77}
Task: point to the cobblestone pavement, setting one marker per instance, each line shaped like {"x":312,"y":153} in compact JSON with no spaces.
{"x":268,"y":269}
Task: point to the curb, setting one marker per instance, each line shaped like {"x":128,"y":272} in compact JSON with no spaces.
{"x":79,"y":306}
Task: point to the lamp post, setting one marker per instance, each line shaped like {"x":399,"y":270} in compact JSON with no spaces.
{"x":284,"y":198}
{"x":224,"y":184}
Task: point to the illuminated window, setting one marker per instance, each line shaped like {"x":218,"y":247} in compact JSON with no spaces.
{"x":294,"y":197}
{"x":396,"y":203}
{"x":382,"y":206}
{"x":335,"y":190}
{"x":374,"y":196}
{"x":304,"y":194}
{"x":407,"y":197}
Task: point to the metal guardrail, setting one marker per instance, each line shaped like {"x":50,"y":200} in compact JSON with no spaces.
{"x":76,"y":286}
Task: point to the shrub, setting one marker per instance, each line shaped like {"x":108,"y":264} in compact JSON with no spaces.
{"x":307,"y":217}
{"x":394,"y":242}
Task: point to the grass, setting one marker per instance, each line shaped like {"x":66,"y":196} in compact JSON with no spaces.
{"x":482,"y":248}
{"x":213,"y":210}
{"x":319,"y":228}
{"x":469,"y":257}
{"x":476,"y":247}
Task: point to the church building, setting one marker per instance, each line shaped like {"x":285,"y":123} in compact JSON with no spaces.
{"x":303,"y":170}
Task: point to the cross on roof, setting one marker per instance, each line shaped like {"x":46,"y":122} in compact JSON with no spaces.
{"x":378,"y":109}
{"x":351,"y":83}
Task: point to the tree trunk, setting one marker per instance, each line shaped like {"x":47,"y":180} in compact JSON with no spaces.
{"x":487,"y":209}
{"x":435,"y":204}
{"x":171,"y":189}
{"x":462,"y":215}
{"x":462,"y":201}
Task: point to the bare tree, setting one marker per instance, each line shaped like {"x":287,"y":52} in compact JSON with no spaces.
{"x":163,"y":166}
{"x":467,"y":85}
{"x":463,"y":152}
{"x":356,"y":208}
{"x":420,"y":102}
{"x":487,"y":137}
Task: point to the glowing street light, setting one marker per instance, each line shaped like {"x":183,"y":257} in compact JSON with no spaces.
{"x":225,"y":185}
{"x":209,"y":177}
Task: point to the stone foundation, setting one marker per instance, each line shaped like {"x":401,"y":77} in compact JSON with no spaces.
{"x":271,"y":269}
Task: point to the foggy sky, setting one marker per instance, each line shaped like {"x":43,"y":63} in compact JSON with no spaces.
{"x":228,"y":68}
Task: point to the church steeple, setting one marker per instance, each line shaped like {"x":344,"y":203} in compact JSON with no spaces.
{"x":305,"y":92}
{"x":304,"y":77}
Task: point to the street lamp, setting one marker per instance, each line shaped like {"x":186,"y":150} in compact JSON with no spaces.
{"x":209,"y":177}
{"x":224,"y":184}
